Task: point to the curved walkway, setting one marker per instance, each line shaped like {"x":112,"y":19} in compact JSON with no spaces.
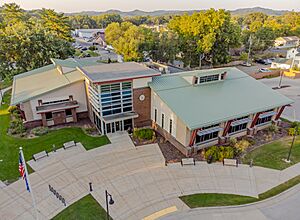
{"x":136,"y":177}
{"x":283,"y":206}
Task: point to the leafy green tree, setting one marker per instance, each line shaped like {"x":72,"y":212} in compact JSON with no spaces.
{"x":102,"y":21}
{"x":56,"y":23}
{"x":29,"y":41}
{"x":127,"y":40}
{"x":208,"y":34}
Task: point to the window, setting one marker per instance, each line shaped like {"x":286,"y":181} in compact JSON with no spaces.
{"x":48,"y":115}
{"x":155,"y":115}
{"x":206,"y":137}
{"x":171,"y":126}
{"x":162,"y":120}
{"x":264,"y":120}
{"x":237,"y":128}
{"x":56,"y":101}
{"x":116,"y":98}
{"x":68,"y":112}
{"x":205,"y":79}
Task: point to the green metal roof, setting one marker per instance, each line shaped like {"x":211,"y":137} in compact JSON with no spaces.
{"x":40,"y":81}
{"x":206,"y":104}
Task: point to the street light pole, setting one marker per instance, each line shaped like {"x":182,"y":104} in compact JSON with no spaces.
{"x":293,"y":141}
{"x":110,"y":202}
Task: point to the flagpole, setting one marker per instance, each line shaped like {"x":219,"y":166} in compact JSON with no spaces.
{"x":28,"y":181}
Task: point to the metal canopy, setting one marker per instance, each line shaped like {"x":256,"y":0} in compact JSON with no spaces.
{"x":208,"y":131}
{"x":239,"y":122}
{"x":267,"y":114}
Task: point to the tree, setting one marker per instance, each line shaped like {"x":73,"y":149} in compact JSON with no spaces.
{"x":29,"y":41}
{"x":210,"y":33}
{"x":56,"y":23}
{"x":102,"y":21}
{"x":127,"y":40}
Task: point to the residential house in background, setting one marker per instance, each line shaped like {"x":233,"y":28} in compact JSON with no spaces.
{"x":286,"y":42}
{"x":88,"y":33}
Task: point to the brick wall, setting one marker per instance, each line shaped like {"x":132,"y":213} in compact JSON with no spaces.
{"x":143,"y":108}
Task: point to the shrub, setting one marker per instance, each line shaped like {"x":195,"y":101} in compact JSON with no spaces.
{"x":16,"y":126}
{"x":232,"y":141}
{"x":90,"y":130}
{"x":13,"y":109}
{"x":292,"y":131}
{"x":39,"y":131}
{"x":219,"y":153}
{"x":92,"y":48}
{"x":273,"y":128}
{"x":294,"y":124}
{"x":143,"y":133}
{"x":241,"y":146}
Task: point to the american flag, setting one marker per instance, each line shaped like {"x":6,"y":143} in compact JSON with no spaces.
{"x":22,"y":171}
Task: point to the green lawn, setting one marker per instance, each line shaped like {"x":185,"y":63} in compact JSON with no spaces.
{"x":271,"y":155}
{"x":85,"y":208}
{"x":216,"y":199}
{"x":9,"y":146}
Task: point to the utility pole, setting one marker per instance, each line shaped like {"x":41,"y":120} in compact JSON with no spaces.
{"x":249,"y":51}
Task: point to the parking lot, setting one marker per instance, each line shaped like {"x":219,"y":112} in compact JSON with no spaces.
{"x":291,"y":89}
{"x":253,"y":69}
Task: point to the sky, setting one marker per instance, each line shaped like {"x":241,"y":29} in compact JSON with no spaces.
{"x":150,"y":5}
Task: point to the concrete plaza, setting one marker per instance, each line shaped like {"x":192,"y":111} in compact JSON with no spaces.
{"x":141,"y":185}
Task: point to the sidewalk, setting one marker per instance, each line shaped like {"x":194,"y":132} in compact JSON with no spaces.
{"x":137,"y":178}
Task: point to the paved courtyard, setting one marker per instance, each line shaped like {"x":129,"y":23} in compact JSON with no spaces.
{"x":291,"y":89}
{"x":141,"y":185}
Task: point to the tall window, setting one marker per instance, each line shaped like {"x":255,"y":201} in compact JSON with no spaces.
{"x":162,"y":120}
{"x":155,"y":115}
{"x":116,"y":98}
{"x":170,"y":126}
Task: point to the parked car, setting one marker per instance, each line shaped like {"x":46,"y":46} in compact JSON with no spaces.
{"x":261,"y":61}
{"x":84,"y":48}
{"x":264,"y":70}
{"x":246,"y":64}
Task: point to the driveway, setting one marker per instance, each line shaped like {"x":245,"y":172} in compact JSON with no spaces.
{"x":291,"y":89}
{"x":141,"y":184}
{"x":283,"y":206}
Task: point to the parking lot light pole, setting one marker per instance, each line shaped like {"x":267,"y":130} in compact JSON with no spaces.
{"x":293,"y":141}
{"x":110,"y":202}
{"x":280,"y":80}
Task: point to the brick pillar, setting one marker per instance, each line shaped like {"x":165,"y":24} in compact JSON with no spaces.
{"x":44,"y":121}
{"x":74,"y":114}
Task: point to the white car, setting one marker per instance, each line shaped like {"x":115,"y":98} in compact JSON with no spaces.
{"x":264,"y":70}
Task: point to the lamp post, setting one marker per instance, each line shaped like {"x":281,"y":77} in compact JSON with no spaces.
{"x":280,"y":80}
{"x":110,"y":202}
{"x":294,"y":137}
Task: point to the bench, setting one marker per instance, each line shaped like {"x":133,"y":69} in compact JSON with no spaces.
{"x":40,"y":155}
{"x":187,"y":161}
{"x":230,"y":162}
{"x":69,"y":144}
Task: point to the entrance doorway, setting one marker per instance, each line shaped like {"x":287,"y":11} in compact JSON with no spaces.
{"x":114,"y":127}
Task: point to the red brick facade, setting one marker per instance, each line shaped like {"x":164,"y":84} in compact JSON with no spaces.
{"x":142,"y":107}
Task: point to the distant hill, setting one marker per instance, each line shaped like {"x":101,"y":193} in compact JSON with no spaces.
{"x":240,"y":11}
